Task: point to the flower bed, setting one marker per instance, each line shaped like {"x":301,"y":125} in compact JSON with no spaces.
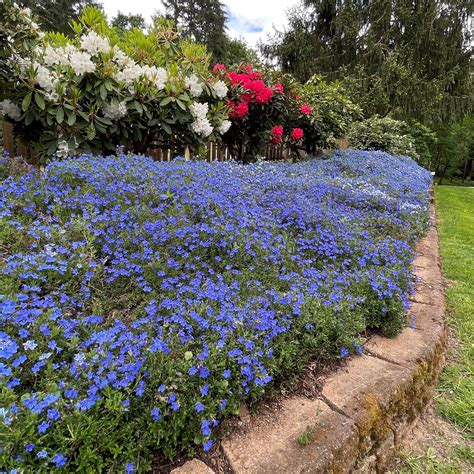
{"x":143,"y":301}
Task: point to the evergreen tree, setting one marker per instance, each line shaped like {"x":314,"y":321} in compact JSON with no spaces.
{"x":123,"y":22}
{"x":202,"y":20}
{"x":409,"y":58}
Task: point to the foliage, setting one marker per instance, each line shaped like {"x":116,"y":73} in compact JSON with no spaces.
{"x":143,"y":301}
{"x":456,"y":227}
{"x":56,"y":15}
{"x":386,"y":50}
{"x":18,"y":31}
{"x":237,"y":51}
{"x":387,"y":134}
{"x":455,"y":150}
{"x":99,"y":90}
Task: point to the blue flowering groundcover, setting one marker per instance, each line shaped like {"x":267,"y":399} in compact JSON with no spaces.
{"x":141,"y":302}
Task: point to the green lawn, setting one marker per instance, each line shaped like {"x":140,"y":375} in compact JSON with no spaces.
{"x":451,"y":454}
{"x":455,"y":208}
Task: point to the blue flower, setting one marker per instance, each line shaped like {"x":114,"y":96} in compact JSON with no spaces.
{"x":155,"y":414}
{"x":59,"y":460}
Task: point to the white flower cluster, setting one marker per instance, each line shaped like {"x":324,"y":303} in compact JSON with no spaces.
{"x":44,"y":78}
{"x":201,"y":124}
{"x":54,"y":56}
{"x":220,"y":89}
{"x":94,"y":43}
{"x":156,"y":75}
{"x":114,"y":111}
{"x":195,"y":87}
{"x":63,"y":149}
{"x":8,"y":108}
{"x":81,"y":62}
{"x":224,"y":126}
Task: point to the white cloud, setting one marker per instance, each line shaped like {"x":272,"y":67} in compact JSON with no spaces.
{"x":250,"y":19}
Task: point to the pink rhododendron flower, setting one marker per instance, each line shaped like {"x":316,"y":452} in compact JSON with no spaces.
{"x":297,"y":134}
{"x":305,"y":109}
{"x":278,"y":88}
{"x":277,"y":134}
{"x":219,"y":68}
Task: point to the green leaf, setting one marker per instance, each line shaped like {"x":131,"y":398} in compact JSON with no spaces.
{"x":181,"y":104}
{"x":166,"y":128}
{"x":39,"y":101}
{"x":138,"y":106}
{"x":71,"y":119}
{"x":26,"y":102}
{"x":166,"y":101}
{"x":188,"y":355}
{"x":60,"y":115}
{"x":103,"y":92}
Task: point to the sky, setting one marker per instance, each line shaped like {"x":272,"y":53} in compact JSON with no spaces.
{"x":250,"y":19}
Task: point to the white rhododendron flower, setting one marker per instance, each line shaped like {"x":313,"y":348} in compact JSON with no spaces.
{"x":94,"y":43}
{"x":54,"y":56}
{"x":195,"y":87}
{"x":202,"y":127}
{"x":224,"y":126}
{"x":63,"y":149}
{"x":44,"y":78}
{"x":8,"y":108}
{"x":121,"y":58}
{"x":156,"y":75}
{"x":199,"y":110}
{"x":52,"y":96}
{"x":115,"y":111}
{"x":129,"y":74}
{"x":220,"y":89}
{"x":81,"y":62}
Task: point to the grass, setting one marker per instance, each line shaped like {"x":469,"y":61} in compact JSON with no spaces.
{"x":456,"y":230}
{"x":428,"y":463}
{"x":455,"y":398}
{"x":305,"y":438}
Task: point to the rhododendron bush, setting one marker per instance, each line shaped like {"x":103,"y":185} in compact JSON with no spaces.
{"x":141,"y":302}
{"x":268,"y":107}
{"x":97,"y":91}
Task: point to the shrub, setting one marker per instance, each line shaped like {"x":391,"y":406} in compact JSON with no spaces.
{"x":267,"y":106}
{"x":100,"y":90}
{"x":142,"y":301}
{"x":322,"y":111}
{"x":393,"y":136}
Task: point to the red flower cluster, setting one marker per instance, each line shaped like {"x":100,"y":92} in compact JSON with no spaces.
{"x":250,"y":86}
{"x":238,"y":111}
{"x":277,"y":134}
{"x":279,"y":88}
{"x":306,"y":109}
{"x":219,"y":68}
{"x":297,"y":134}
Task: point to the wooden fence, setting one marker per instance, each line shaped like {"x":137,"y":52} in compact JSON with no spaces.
{"x":214,"y":151}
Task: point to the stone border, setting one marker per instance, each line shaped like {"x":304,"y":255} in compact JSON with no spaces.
{"x":365,"y":408}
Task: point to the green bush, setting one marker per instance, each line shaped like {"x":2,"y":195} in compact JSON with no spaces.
{"x":393,"y":136}
{"x":382,"y":133}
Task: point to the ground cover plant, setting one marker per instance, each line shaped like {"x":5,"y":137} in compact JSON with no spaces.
{"x":142,"y":301}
